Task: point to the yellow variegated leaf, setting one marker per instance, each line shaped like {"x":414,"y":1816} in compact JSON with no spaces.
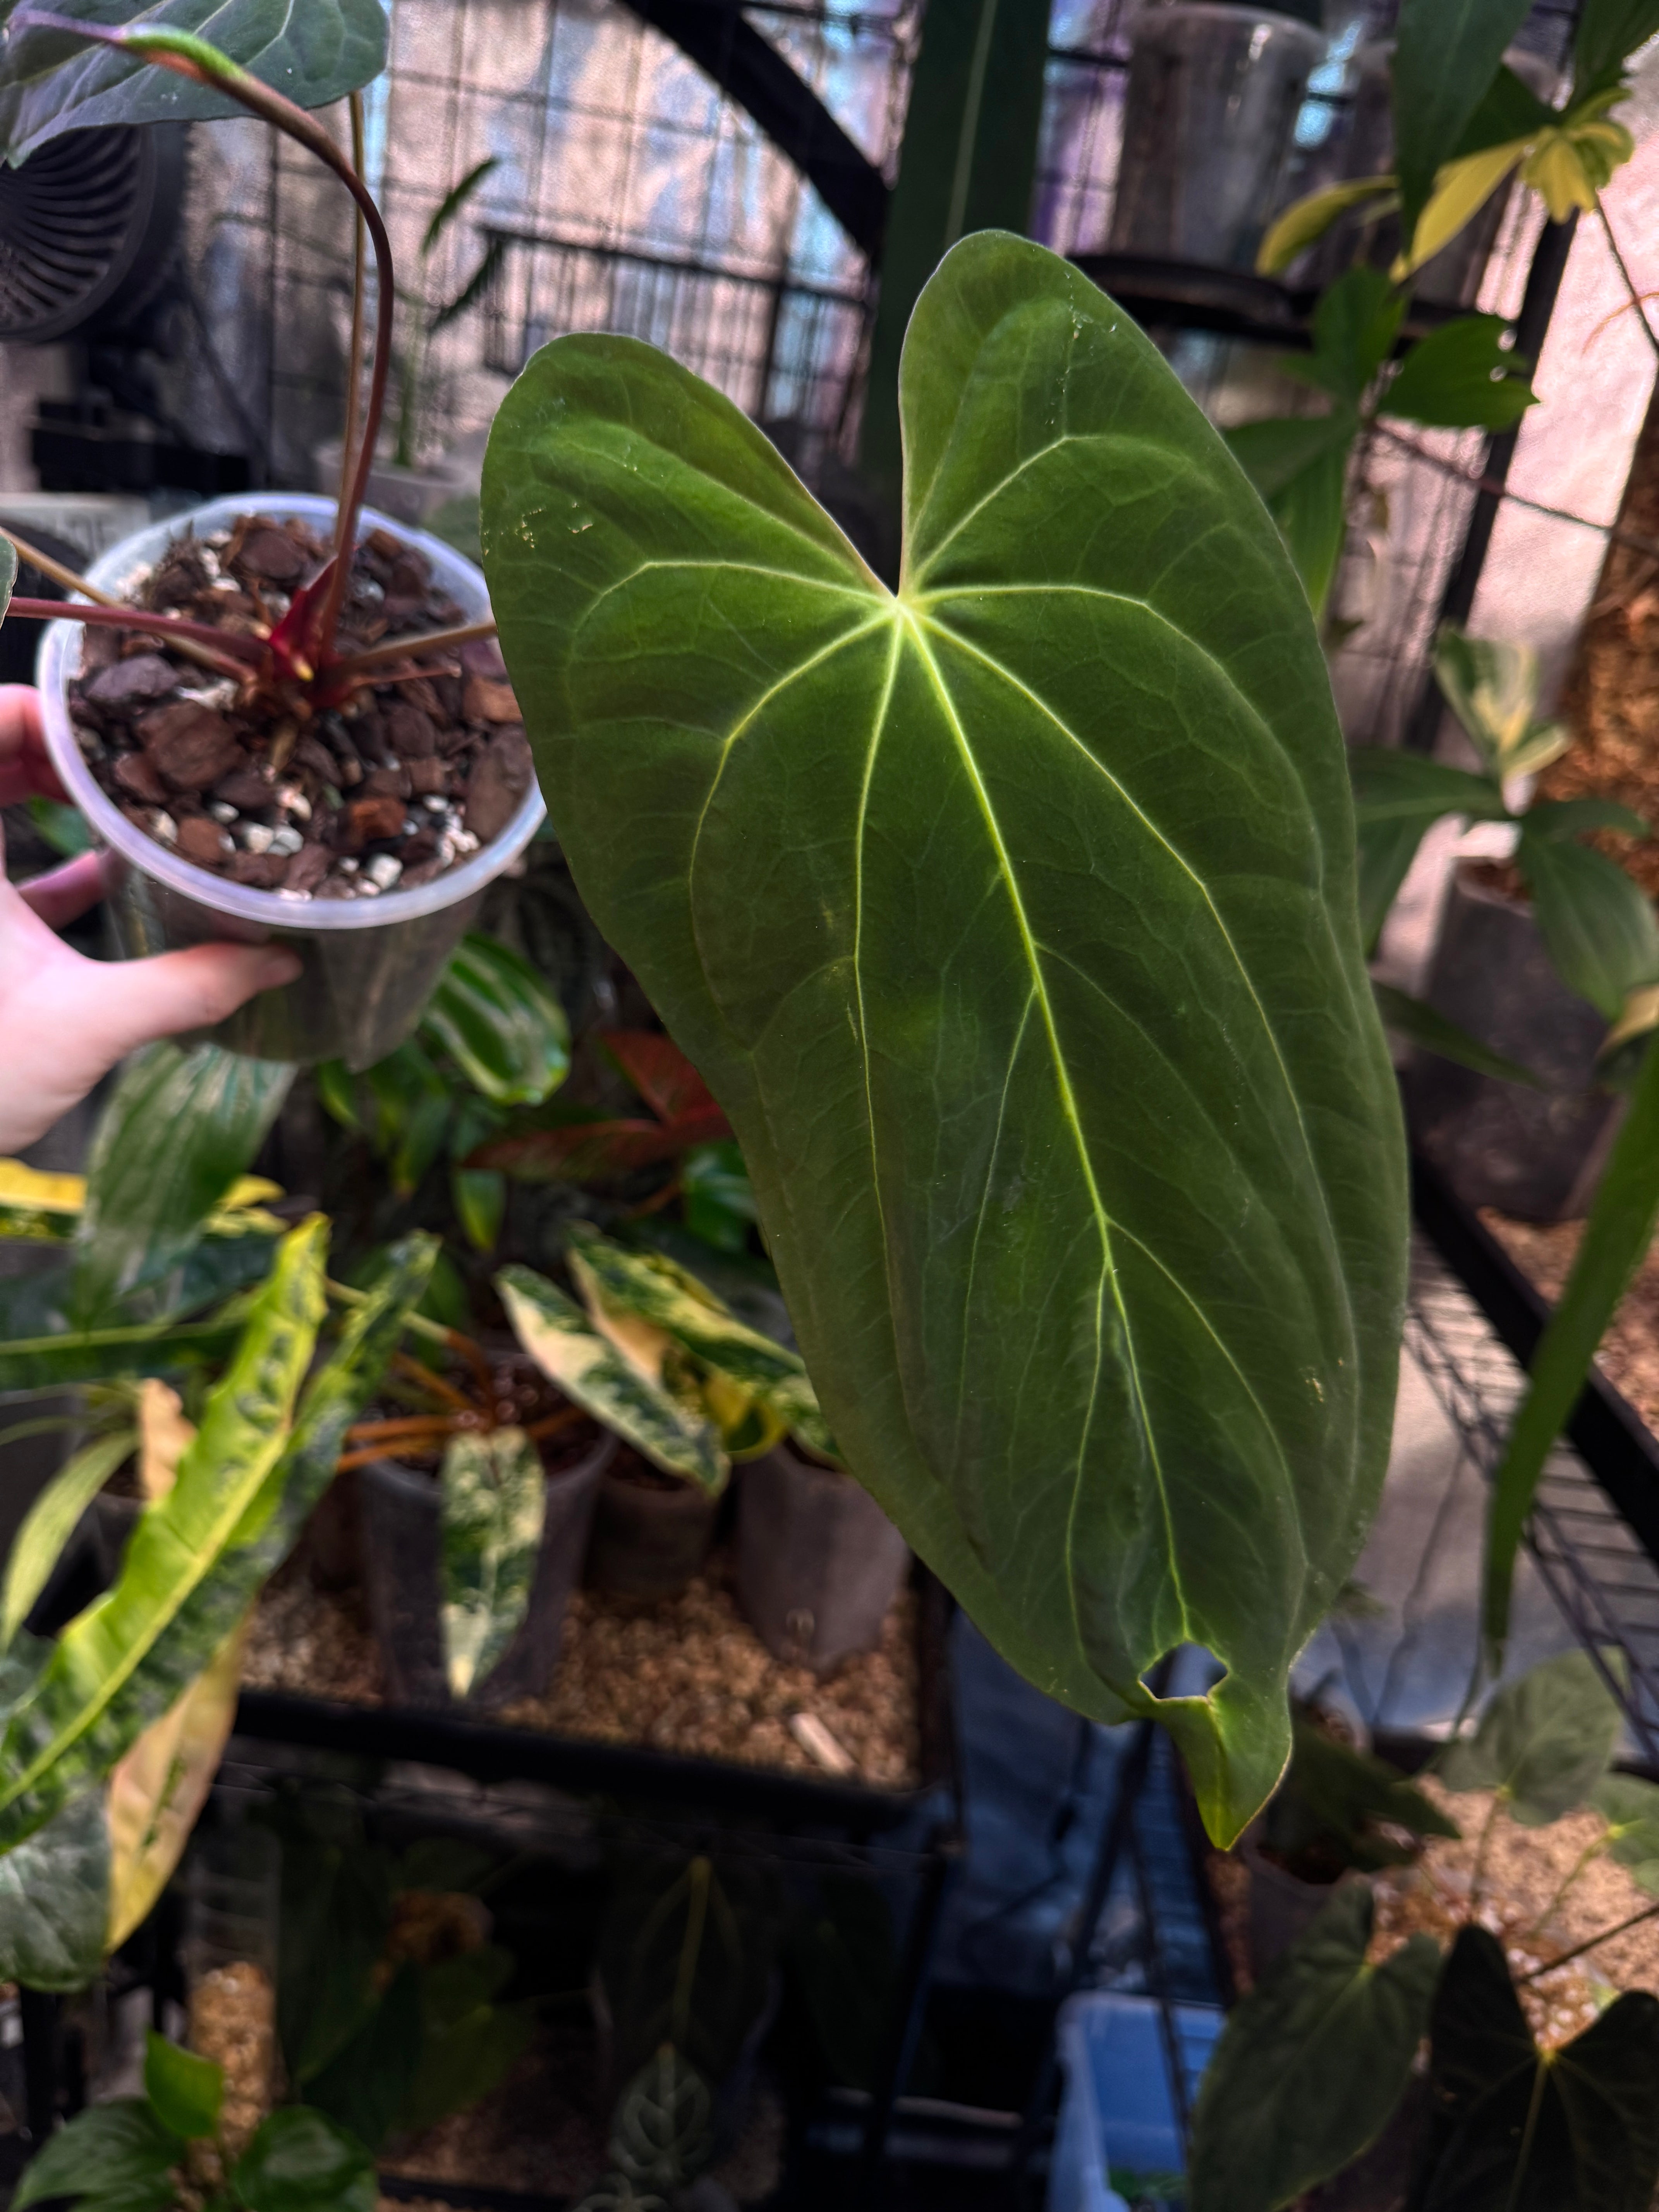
{"x":163,"y":1432}
{"x":1570,"y":165}
{"x":1461,"y":189}
{"x":1308,"y":220}
{"x":158,"y":1790}
{"x":1540,"y":745}
{"x":39,"y":1208}
{"x":1641,"y":1014}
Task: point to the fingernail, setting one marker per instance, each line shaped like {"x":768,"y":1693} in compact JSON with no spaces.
{"x":277,"y":968}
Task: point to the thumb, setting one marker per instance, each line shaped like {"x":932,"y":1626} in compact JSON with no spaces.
{"x":122,"y":1004}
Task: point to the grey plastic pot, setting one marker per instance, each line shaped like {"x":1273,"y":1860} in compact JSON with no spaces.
{"x":400,"y":1509}
{"x":1534,"y":1153}
{"x":1209,"y":117}
{"x":818,"y":1562}
{"x":1281,"y":1905}
{"x":647,"y":1542}
{"x":369,"y":965}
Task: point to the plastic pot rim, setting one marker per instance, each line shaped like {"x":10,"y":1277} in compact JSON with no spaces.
{"x":316,"y":917}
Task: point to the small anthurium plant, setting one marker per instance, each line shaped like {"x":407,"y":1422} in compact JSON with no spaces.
{"x":1320,"y":2058}
{"x":216,"y":1352}
{"x":1463,"y":123}
{"x":131,"y":2151}
{"x":1009,"y":917}
{"x":49,"y":83}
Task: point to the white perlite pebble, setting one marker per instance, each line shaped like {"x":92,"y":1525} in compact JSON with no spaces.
{"x":256,"y":838}
{"x":435,"y":805}
{"x":223,"y":811}
{"x":298,"y":897}
{"x":348,"y":867}
{"x":165,"y":829}
{"x":286,"y":840}
{"x":383,"y":871}
{"x":293,"y":800}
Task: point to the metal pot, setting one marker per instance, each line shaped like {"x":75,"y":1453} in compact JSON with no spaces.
{"x":369,"y":965}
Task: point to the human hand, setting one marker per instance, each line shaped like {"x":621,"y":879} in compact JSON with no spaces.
{"x":64,"y":1021}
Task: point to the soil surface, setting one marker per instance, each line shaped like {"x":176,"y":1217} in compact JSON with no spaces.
{"x":684,"y":1674}
{"x":405,"y":778}
{"x":1629,"y":1356}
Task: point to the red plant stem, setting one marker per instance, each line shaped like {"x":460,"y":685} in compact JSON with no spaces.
{"x":238,"y":656}
{"x":414,"y":1372}
{"x":416,"y":1424}
{"x":410,"y":648}
{"x":539,"y":1430}
{"x":201,"y":63}
{"x":354,"y":349}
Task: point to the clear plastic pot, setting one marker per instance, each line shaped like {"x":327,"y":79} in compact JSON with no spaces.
{"x":370,"y":964}
{"x":1208,"y":120}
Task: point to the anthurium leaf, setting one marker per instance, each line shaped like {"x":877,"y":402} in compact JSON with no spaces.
{"x":114,"y":2153}
{"x":121,"y":1663}
{"x":495,"y":1017}
{"x":1011,"y":920}
{"x":365,"y":2086}
{"x":1460,"y":377}
{"x":1429,"y":1031}
{"x":185,"y":2091}
{"x":54,"y":1899}
{"x":51,"y":1521}
{"x":470,"y":2043}
{"x":1509,"y":109}
{"x":718,"y":1197}
{"x":559,"y":1337}
{"x":494,"y":1505}
{"x":1299,"y":465}
{"x":1397,"y":796}
{"x":1490,"y":685}
{"x":1311,"y":2065}
{"x":180,"y":1129}
{"x":1631,"y":1808}
{"x":1609,"y":33}
{"x":315,"y":53}
{"x":1543,"y":1743}
{"x":1354,"y":329}
{"x":157,"y":1789}
{"x":1596,"y":922}
{"x":412,"y":1108}
{"x":1305,"y":222}
{"x":669,"y":1297}
{"x":1446,"y":54}
{"x":480,"y":1196}
{"x":299,"y":2161}
{"x":1519,"y":2130}
{"x":105,"y":1355}
{"x":1336,"y":1796}
{"x":1573,"y":817}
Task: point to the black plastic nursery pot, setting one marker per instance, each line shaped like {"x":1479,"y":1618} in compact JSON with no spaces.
{"x":818,"y":1562}
{"x":368,"y":967}
{"x":401,"y":1507}
{"x":651,"y":1533}
{"x":1536,"y":1154}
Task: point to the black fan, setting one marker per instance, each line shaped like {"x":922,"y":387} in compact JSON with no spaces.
{"x":87,"y":231}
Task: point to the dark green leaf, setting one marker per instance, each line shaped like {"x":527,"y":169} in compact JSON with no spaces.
{"x":7,"y":573}
{"x":1397,"y":796}
{"x":1423,"y":1025}
{"x":412,"y":1106}
{"x":1573,"y":817}
{"x":336,"y":1086}
{"x":180,"y":1129}
{"x":1509,"y":110}
{"x":1631,"y":1808}
{"x":1011,"y":920}
{"x":1576,"y":2130}
{"x":54,"y":1899}
{"x":1354,"y":329}
{"x":1609,"y":32}
{"x":497,"y":1020}
{"x":473,"y":290}
{"x":1299,"y":464}
{"x":301,"y":2161}
{"x":105,"y":1355}
{"x":1446,"y":54}
{"x":1543,"y":1743}
{"x":1336,"y":1806}
{"x":51,"y":1521}
{"x":123,"y":1663}
{"x":64,"y":828}
{"x":114,"y":2153}
{"x":365,"y":2086}
{"x":470,"y":2043}
{"x":719,"y":1198}
{"x":336,"y":1914}
{"x":1310,"y":2065}
{"x":480,"y":1196}
{"x":1597,"y":924}
{"x":314,"y":50}
{"x":1460,"y":377}
{"x":186,"y":2091}
{"x":494,"y":1503}
{"x":455,"y":199}
{"x":1616,"y":1235}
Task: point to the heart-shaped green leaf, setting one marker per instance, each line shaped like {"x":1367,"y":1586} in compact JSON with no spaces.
{"x":187,"y":2091}
{"x":314,"y":50}
{"x":1010,"y":919}
{"x":118,"y":2153}
{"x":1543,"y":1743}
{"x":1311,"y":2065}
{"x":1518,"y":2129}
{"x":1631,"y":1808}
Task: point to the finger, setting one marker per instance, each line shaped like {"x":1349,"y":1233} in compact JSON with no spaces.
{"x":66,"y":893}
{"x":26,"y":769}
{"x":126,"y":1003}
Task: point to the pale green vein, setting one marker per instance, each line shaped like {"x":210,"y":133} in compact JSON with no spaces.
{"x":858,"y":946}
{"x":1073,"y":1121}
{"x":730,"y":568}
{"x":985,"y":1197}
{"x":979,"y":505}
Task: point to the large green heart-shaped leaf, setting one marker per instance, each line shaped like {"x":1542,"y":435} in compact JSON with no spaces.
{"x":314,"y":50}
{"x":1011,"y":920}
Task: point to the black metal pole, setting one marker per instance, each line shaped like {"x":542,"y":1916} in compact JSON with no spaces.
{"x":1549,"y":263}
{"x":919,"y":1944}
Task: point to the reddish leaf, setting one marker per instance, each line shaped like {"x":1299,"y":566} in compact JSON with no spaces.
{"x":591,"y":1151}
{"x":662,"y":1075}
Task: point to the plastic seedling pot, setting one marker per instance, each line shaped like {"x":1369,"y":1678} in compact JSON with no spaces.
{"x":401,"y":1507}
{"x":649,"y":1539}
{"x":370,"y":964}
{"x":818,"y":1561}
